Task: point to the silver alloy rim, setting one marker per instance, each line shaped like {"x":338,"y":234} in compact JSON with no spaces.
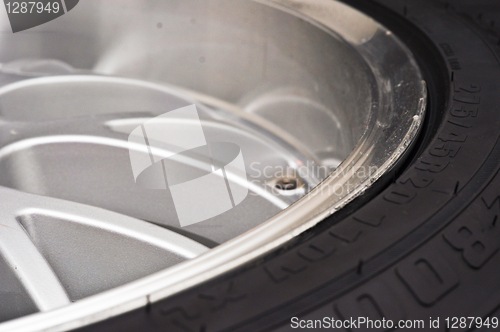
{"x":397,"y":105}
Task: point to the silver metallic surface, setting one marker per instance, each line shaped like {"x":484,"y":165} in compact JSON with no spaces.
{"x":45,"y":241}
{"x":294,"y":83}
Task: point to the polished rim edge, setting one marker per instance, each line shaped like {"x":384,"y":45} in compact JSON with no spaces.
{"x":379,"y":148}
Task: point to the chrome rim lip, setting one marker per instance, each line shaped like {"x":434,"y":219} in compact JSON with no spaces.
{"x":281,"y":228}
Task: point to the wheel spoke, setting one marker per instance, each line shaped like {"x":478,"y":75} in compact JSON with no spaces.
{"x":29,"y":265}
{"x":47,"y":241}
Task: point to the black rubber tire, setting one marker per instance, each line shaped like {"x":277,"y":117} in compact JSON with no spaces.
{"x":423,"y":243}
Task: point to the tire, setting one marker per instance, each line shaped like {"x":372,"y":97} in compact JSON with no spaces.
{"x":422,"y":243}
